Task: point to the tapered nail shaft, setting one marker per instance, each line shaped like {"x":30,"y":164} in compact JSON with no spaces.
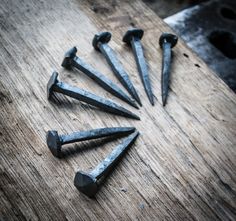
{"x":165,"y":76}
{"x":88,"y":183}
{"x":166,"y":41}
{"x":132,"y":37}
{"x":71,"y":60}
{"x":142,"y":68}
{"x":100,"y":43}
{"x":106,"y":165}
{"x":55,"y":141}
{"x":96,"y":133}
{"x":119,"y":71}
{"x":55,"y":86}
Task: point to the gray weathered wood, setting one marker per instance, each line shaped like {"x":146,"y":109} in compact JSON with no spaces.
{"x":183,"y":164}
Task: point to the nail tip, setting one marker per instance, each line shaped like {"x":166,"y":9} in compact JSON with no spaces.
{"x":151,"y":100}
{"x":139,"y":102}
{"x":134,"y":116}
{"x":133,"y":104}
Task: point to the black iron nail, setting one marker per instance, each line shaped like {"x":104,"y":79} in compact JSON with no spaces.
{"x":71,"y":60}
{"x":132,"y":37}
{"x":100,"y":43}
{"x":56,"y":86}
{"x":55,"y":141}
{"x":88,"y":183}
{"x":166,"y":41}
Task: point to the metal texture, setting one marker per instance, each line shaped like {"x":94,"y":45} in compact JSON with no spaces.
{"x":100,"y":43}
{"x":55,"y":141}
{"x":166,"y":41}
{"x":89,"y":183}
{"x":209,"y":29}
{"x":71,"y":60}
{"x":132,"y":37}
{"x":56,"y":86}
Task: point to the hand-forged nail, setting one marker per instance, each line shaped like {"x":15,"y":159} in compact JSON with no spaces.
{"x":56,"y":86}
{"x":55,"y":141}
{"x":71,"y":60}
{"x":132,"y":37}
{"x":166,"y":41}
{"x":100,"y":43}
{"x":88,"y":183}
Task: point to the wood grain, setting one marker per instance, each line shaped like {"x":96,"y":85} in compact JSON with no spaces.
{"x":183,"y":165}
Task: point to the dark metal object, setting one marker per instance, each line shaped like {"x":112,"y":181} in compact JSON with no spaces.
{"x":166,"y":41}
{"x":55,"y":141}
{"x":71,"y":60}
{"x":210,"y":30}
{"x":56,"y":86}
{"x":88,"y":183}
{"x":100,"y":43}
{"x":132,"y":37}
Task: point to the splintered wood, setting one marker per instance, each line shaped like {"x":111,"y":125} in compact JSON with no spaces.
{"x":182,"y":166}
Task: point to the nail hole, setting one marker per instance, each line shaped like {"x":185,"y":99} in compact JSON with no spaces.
{"x":197,"y":65}
{"x":225,"y":42}
{"x":97,"y":8}
{"x":132,"y":24}
{"x":185,"y":55}
{"x":228,"y":13}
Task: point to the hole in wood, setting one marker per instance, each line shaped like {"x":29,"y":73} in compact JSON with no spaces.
{"x":185,"y":55}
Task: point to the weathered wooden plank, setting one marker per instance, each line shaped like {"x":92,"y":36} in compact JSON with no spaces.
{"x":181,"y":167}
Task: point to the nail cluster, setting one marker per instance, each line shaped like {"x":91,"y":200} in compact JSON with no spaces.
{"x":89,"y":182}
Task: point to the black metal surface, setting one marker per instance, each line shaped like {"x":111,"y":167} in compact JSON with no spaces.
{"x":209,"y":29}
{"x":166,"y":41}
{"x":56,"y":86}
{"x":55,"y":141}
{"x":132,"y":37}
{"x":100,"y":43}
{"x":71,"y":60}
{"x":88,"y":183}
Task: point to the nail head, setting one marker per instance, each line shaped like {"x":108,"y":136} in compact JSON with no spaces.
{"x":168,"y":37}
{"x":54,"y":143}
{"x":135,"y":32}
{"x":68,"y":57}
{"x":52,"y":81}
{"x":103,"y":37}
{"x":86,"y":183}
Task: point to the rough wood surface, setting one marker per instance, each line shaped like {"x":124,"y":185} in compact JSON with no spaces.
{"x":182,"y":167}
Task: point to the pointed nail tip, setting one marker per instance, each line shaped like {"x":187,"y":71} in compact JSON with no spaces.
{"x":137,"y":99}
{"x":133,"y":104}
{"x":151,"y":101}
{"x":164,"y":99}
{"x":135,"y":117}
{"x":136,"y":134}
{"x":130,"y":129}
{"x":139,"y":102}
